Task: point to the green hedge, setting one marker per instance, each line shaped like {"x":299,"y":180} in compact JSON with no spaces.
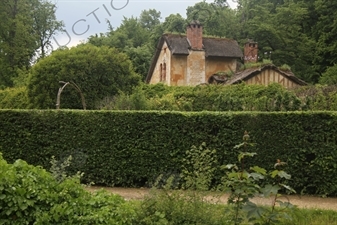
{"x":131,"y":148}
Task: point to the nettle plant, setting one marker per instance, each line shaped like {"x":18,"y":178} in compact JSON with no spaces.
{"x":244,"y":184}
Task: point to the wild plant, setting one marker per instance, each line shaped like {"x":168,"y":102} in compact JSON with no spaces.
{"x":244,"y":184}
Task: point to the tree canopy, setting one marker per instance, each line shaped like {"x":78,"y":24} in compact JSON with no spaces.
{"x":97,"y":71}
{"x":25,"y":31}
{"x":298,"y":33}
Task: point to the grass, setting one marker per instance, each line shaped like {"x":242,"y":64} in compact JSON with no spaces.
{"x":171,"y":208}
{"x":315,"y":217}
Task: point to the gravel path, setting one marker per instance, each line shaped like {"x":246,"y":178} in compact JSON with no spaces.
{"x":299,"y":201}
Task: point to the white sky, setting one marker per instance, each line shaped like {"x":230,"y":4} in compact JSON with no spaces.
{"x":83,"y":18}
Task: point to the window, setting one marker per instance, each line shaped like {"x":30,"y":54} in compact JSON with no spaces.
{"x":162,"y":72}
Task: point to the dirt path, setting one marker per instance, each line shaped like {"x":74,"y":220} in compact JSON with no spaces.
{"x":300,"y":201}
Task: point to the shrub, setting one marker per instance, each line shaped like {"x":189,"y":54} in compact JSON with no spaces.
{"x":31,"y":195}
{"x":97,"y":71}
{"x":14,"y":98}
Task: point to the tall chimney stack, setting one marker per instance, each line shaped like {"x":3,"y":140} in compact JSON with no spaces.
{"x":250,"y":52}
{"x":194,"y":35}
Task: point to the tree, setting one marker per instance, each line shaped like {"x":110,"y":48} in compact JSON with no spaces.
{"x":45,"y":26}
{"x":140,"y":58}
{"x":97,"y":71}
{"x":278,"y":27}
{"x":133,"y":38}
{"x":133,"y":31}
{"x":149,"y":18}
{"x":325,"y":32}
{"x":17,"y":40}
{"x":217,"y":18}
{"x":329,"y":77}
{"x":26,"y":26}
{"x":174,"y":23}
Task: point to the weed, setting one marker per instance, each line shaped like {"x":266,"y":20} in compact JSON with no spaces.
{"x":243,"y":184}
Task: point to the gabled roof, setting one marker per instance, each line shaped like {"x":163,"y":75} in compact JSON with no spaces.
{"x":179,"y":45}
{"x":250,"y":72}
{"x":222,"y":47}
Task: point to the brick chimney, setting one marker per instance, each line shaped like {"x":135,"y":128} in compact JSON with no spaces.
{"x":194,"y":35}
{"x":250,"y":52}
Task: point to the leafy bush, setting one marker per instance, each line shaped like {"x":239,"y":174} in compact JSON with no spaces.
{"x":97,"y":71}
{"x":14,"y":98}
{"x":329,"y":77}
{"x":31,"y":195}
{"x":198,"y":168}
{"x":240,"y":97}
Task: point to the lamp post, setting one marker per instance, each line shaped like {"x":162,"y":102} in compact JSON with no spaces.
{"x":58,"y":100}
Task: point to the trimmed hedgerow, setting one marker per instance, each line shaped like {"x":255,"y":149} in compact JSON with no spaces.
{"x":131,"y":148}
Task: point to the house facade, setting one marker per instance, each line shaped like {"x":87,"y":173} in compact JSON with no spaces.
{"x":192,"y":59}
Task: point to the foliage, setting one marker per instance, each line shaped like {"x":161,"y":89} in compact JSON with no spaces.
{"x":31,"y":195}
{"x":45,"y":26}
{"x":58,"y":169}
{"x":14,"y":98}
{"x":148,"y":143}
{"x":324,"y":32}
{"x":98,"y":72}
{"x":240,"y":97}
{"x":135,"y":101}
{"x":305,"y":42}
{"x":244,"y":184}
{"x":318,"y":97}
{"x":165,"y":206}
{"x":199,"y":166}
{"x":329,"y":77}
{"x":149,"y":18}
{"x":131,"y":38}
{"x":257,"y":64}
{"x":27,"y":27}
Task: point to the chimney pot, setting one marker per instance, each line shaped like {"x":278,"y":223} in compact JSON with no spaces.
{"x":194,"y":35}
{"x":250,"y":51}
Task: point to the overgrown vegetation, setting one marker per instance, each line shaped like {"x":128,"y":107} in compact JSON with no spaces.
{"x":31,"y":195}
{"x":200,"y":98}
{"x":240,"y":97}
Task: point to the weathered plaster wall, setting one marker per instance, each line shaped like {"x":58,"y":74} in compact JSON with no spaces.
{"x":196,"y":68}
{"x":216,"y":64}
{"x":178,"y":70}
{"x":164,"y":57}
{"x":269,"y":76}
